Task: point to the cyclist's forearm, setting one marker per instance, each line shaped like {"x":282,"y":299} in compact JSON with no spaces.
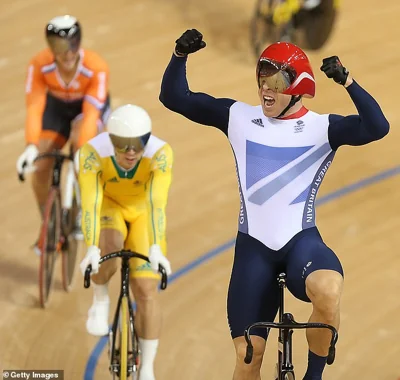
{"x":91,"y":199}
{"x":33,"y":124}
{"x":158,"y":195}
{"x":91,"y":223}
{"x":196,"y":106}
{"x":91,"y":187}
{"x":158,"y":227}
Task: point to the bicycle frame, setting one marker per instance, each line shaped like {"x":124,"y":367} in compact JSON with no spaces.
{"x":124,"y":292}
{"x":285,"y":335}
{"x":286,"y":325}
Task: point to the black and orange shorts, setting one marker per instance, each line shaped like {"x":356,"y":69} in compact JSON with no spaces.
{"x":59,"y":115}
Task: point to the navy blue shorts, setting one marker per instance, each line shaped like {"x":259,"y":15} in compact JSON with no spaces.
{"x":253,"y":294}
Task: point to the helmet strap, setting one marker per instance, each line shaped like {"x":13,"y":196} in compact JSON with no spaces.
{"x":294,"y":99}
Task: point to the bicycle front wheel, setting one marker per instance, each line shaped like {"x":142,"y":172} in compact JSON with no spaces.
{"x":316,"y":26}
{"x":70,"y":246}
{"x":124,"y":339}
{"x":48,"y":244}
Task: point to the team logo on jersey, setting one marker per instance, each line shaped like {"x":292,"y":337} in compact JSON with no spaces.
{"x":162,"y":161}
{"x":106,"y":220}
{"x":90,"y":162}
{"x":137,"y":183}
{"x":144,"y":267}
{"x":113,"y":179}
{"x":258,"y":122}
{"x":299,"y":126}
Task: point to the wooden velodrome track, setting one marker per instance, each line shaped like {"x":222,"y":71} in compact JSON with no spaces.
{"x":137,"y":37}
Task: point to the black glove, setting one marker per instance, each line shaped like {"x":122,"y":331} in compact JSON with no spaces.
{"x":334,"y":69}
{"x":189,"y":42}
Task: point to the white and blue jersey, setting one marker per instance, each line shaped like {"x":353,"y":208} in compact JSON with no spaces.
{"x":280,"y":166}
{"x":280,"y":162}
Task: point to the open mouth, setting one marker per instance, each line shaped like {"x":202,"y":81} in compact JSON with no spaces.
{"x":269,"y":101}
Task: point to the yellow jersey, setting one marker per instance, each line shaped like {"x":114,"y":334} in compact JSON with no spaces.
{"x":143,"y":189}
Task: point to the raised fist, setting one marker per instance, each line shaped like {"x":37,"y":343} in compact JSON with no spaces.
{"x":189,"y":42}
{"x":334,"y":69}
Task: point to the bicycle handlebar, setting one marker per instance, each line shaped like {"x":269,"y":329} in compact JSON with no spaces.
{"x":21,"y":176}
{"x":56,"y":154}
{"x":292,"y":325}
{"x":125,"y":254}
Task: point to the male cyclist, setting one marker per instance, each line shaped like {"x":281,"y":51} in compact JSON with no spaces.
{"x":315,"y":19}
{"x":282,"y":152}
{"x":66,"y":98}
{"x":124,"y":176}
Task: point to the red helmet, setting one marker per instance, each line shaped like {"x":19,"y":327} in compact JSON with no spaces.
{"x":289,"y":67}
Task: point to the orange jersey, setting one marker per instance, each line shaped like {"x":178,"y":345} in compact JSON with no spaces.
{"x":90,"y":85}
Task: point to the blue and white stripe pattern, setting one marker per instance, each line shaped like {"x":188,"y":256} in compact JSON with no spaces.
{"x":280,"y":168}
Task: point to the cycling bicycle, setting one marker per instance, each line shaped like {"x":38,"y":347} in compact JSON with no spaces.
{"x":123,"y":343}
{"x":284,"y":368}
{"x":59,"y":221}
{"x":309,"y":26}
